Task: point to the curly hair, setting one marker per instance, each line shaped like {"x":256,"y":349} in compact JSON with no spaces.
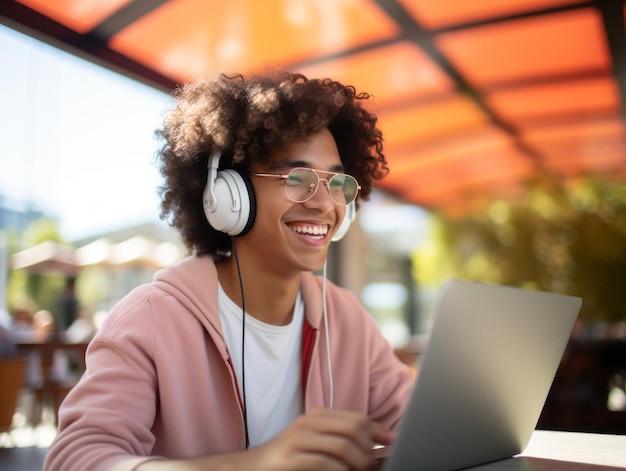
{"x":248,"y":120}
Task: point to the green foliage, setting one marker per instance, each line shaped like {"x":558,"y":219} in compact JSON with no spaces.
{"x":38,"y":290}
{"x":93,"y":287}
{"x":42,"y":230}
{"x":570,"y":240}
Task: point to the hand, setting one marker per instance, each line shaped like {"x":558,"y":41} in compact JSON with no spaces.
{"x":324,"y":439}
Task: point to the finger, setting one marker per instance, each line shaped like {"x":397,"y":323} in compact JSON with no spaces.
{"x":317,"y":461}
{"x":326,"y":439}
{"x":305,"y":449}
{"x":378,"y":433}
{"x":337,"y":449}
{"x":351,"y":425}
{"x":382,"y":435}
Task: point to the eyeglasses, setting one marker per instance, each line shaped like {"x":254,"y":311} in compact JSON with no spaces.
{"x":301,"y":185}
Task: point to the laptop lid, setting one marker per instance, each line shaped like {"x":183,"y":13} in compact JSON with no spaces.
{"x":491,"y":357}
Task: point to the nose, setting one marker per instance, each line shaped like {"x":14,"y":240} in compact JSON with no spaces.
{"x":321,"y":199}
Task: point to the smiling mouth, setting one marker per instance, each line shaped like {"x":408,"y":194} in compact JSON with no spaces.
{"x":314,"y":232}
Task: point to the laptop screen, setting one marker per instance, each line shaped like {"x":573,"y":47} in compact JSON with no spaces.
{"x":492,"y":355}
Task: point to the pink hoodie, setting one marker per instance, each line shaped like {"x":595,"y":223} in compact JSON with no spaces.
{"x":159,"y":380}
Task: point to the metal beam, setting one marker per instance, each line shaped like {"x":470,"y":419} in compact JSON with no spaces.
{"x":612,"y":12}
{"x":86,"y":46}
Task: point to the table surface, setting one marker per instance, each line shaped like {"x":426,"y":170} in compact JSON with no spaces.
{"x":572,"y":451}
{"x":547,"y":451}
{"x":22,"y":459}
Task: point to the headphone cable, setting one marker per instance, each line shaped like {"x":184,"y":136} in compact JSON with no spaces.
{"x":243,"y":343}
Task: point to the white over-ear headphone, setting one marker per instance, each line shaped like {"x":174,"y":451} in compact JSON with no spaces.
{"x":228,"y":199}
{"x":348,"y":217}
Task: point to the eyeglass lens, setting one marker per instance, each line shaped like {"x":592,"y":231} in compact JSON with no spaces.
{"x":302,"y":183}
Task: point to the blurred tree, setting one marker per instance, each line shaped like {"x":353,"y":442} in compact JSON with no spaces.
{"x":42,"y":288}
{"x":570,"y":240}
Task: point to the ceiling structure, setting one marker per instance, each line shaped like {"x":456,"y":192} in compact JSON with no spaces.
{"x":475,"y":98}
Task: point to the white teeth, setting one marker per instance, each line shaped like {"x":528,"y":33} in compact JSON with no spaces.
{"x":310,"y":230}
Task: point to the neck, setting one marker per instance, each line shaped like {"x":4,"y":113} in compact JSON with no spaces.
{"x":269,"y":297}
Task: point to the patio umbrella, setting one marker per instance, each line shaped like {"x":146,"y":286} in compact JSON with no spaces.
{"x":98,"y":253}
{"x":46,"y":257}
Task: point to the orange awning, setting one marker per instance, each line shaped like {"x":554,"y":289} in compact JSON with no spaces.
{"x":475,"y":98}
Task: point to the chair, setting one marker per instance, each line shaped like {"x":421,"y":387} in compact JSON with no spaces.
{"x":12,"y":374}
{"x":47,"y":388}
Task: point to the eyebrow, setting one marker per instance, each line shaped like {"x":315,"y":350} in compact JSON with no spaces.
{"x":291,"y":164}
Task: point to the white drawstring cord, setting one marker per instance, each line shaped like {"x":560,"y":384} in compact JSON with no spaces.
{"x":330,"y":368}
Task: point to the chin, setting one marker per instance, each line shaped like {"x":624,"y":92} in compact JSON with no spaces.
{"x":312,"y":265}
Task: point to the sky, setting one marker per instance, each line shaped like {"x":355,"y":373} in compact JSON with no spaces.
{"x":77,"y":140}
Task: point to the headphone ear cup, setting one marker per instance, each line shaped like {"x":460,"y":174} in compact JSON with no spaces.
{"x":348,"y":217}
{"x":249,"y":193}
{"x":235,"y":203}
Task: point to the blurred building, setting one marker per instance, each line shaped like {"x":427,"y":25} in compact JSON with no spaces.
{"x":113,"y":263}
{"x":17,"y":215}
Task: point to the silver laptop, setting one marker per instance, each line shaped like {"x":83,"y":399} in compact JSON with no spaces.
{"x":491,"y":357}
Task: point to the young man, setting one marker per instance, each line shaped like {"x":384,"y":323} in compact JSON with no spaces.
{"x":238,"y":357}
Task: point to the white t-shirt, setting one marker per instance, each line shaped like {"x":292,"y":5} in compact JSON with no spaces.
{"x":273,"y":363}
